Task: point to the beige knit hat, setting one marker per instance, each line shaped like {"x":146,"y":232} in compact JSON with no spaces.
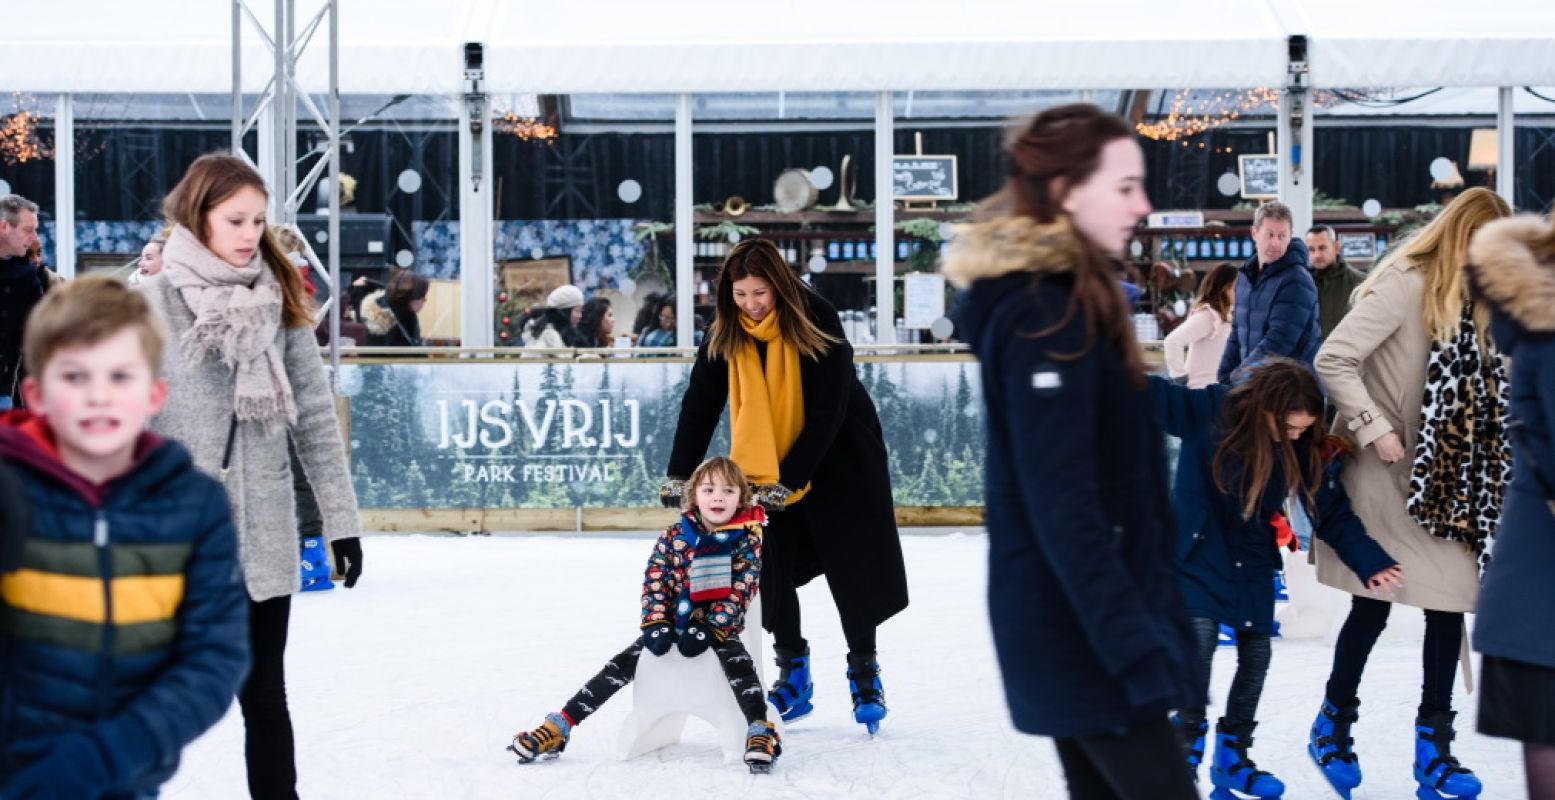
{"x":566,"y":296}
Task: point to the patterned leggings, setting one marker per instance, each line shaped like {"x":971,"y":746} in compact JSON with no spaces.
{"x":620,"y":670}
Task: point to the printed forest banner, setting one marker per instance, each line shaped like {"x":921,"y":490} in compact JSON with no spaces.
{"x":559,"y":435}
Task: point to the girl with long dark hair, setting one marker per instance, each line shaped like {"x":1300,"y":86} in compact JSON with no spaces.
{"x":806,"y":433}
{"x":1093,"y":641}
{"x":1193,"y":349}
{"x":1245,"y":450}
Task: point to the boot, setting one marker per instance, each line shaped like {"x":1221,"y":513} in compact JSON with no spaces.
{"x":1232,"y":769}
{"x":1437,"y":772}
{"x":762,"y":747}
{"x":792,"y":691}
{"x":868,"y":697}
{"x":1191,"y":734}
{"x":1331,"y":746}
{"x":547,"y":741}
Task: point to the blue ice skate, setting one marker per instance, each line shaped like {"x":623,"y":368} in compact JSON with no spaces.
{"x":315,"y":565}
{"x":868,"y":696}
{"x":1438,"y":773}
{"x":792,"y":691}
{"x":1192,"y":736}
{"x":1281,"y":591}
{"x":1331,"y":746}
{"x":1227,"y":636}
{"x":1232,"y":772}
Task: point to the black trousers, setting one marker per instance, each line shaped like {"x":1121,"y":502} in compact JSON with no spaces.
{"x":1142,"y":763}
{"x":1252,"y":666}
{"x":620,"y":670}
{"x":269,"y":749}
{"x":788,"y":535}
{"x":1438,"y":654}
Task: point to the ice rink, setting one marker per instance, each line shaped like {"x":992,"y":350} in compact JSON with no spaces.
{"x":411,"y":685}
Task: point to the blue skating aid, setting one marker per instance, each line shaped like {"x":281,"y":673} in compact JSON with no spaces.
{"x":315,"y":565}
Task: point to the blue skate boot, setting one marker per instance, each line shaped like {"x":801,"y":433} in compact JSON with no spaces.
{"x":1331,"y":746}
{"x":1281,"y":590}
{"x":1192,"y":736}
{"x":1232,"y":772}
{"x":864,"y":683}
{"x":1437,"y":772}
{"x":315,"y":565}
{"x":792,"y":691}
{"x":1226,"y":636}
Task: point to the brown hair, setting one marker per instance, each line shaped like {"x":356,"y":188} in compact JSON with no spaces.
{"x":759,"y":258}
{"x":209,"y":181}
{"x":1212,"y":292}
{"x":405,"y":287}
{"x":1440,"y":250}
{"x":1272,"y":210}
{"x":717,"y":467}
{"x":85,"y":311}
{"x":1253,"y":423}
{"x":1060,"y":149}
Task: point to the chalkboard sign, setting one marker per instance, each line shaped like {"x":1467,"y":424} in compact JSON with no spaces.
{"x":923,"y":177}
{"x":1357,"y":246}
{"x":1260,"y":176}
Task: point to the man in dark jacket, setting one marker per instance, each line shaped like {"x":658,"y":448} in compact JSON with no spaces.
{"x":1334,"y":278}
{"x":22,"y":284}
{"x":1276,"y":300}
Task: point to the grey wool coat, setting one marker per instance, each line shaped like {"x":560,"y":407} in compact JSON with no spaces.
{"x":259,"y":483}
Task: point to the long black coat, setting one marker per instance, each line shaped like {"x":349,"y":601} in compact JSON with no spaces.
{"x":841,"y":453}
{"x":1088,"y":618}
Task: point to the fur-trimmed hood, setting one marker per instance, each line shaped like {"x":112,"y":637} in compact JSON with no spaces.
{"x":1507,"y":272}
{"x":376,"y":314}
{"x":1007,"y":245}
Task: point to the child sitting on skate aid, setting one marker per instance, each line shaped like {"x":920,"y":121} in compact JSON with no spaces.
{"x":1245,"y":450}
{"x":699,"y":581}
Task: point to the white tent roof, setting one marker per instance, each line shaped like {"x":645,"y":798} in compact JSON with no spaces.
{"x":584,"y":46}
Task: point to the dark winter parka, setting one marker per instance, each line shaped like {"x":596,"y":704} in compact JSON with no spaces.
{"x":22,"y":285}
{"x":1226,"y":562}
{"x":841,"y":453}
{"x":1516,"y":610}
{"x":1088,"y":621}
{"x":1276,"y":312}
{"x":151,"y":657}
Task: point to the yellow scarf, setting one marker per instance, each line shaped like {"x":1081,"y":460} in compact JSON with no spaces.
{"x":766,"y":406}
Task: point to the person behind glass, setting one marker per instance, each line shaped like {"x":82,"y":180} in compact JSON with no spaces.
{"x":1193,"y":348}
{"x":245,"y":372}
{"x":806,"y":433}
{"x":550,"y":326}
{"x":150,"y":262}
{"x":660,"y":331}
{"x":1094,"y":643}
{"x":1402,"y":369}
{"x":1513,"y":267}
{"x":391,"y":314}
{"x":1276,"y":300}
{"x":23,"y":282}
{"x":1335,"y":280}
{"x":1245,"y":450}
{"x":595,"y":325}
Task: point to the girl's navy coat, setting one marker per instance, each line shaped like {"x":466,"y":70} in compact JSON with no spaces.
{"x":1088,"y":622}
{"x":1516,"y":611}
{"x":1226,"y":563}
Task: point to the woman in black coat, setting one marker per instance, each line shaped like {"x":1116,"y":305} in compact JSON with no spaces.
{"x":805,"y":431}
{"x":1093,"y":640}
{"x":391,"y":315}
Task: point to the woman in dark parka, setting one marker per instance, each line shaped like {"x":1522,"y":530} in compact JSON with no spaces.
{"x":805,"y":431}
{"x":1092,"y":637}
{"x":1514,"y":268}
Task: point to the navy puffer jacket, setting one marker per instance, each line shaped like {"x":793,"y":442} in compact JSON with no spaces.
{"x":1276,"y":313}
{"x":124,"y":623}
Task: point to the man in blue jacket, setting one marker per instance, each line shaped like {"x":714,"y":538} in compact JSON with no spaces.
{"x":1276,"y":300}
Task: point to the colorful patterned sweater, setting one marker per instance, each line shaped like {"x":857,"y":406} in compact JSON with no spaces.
{"x":695,"y":575}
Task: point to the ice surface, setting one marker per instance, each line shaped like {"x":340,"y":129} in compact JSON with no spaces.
{"x":411,"y":685}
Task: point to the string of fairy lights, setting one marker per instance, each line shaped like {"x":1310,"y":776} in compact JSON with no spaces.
{"x":20,"y":139}
{"x":1192,"y":112}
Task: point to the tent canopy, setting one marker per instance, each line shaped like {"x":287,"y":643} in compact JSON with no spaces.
{"x":400,"y":46}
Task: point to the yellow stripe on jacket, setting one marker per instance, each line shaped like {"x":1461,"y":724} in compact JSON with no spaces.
{"x":136,"y":598}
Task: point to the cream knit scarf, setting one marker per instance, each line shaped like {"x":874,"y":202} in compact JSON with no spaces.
{"x":237,"y":315}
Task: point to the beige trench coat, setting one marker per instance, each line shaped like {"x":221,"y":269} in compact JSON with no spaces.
{"x":1373,"y":368}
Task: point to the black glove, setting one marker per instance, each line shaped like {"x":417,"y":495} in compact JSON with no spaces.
{"x":697,"y":638}
{"x":657,"y":638}
{"x":771,"y":496}
{"x":672,"y":492}
{"x":348,"y":559}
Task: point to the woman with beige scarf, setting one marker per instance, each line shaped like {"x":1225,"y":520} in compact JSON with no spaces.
{"x":1420,"y":386}
{"x":805,"y":431}
{"x":244,"y":375}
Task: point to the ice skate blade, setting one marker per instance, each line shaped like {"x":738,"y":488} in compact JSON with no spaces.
{"x":798,"y":712}
{"x":1427,"y":793}
{"x":523,"y":759}
{"x":1222,"y":793}
{"x":1342,"y":791}
{"x":872,"y":726}
{"x":760,"y":767}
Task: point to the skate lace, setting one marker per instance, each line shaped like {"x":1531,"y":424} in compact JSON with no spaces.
{"x":544,"y":739}
{"x":759,"y":743}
